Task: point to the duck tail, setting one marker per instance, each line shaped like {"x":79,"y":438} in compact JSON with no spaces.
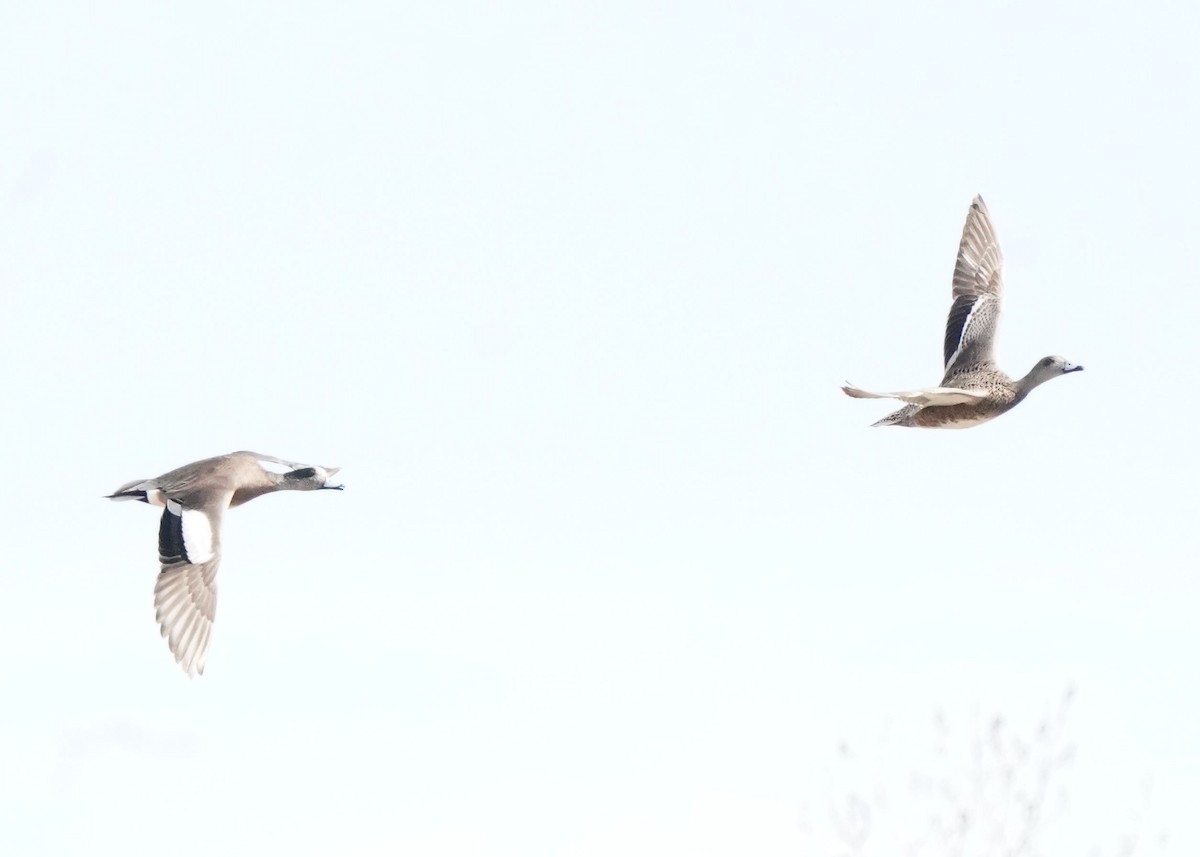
{"x":128,"y":495}
{"x":898,"y":418}
{"x":135,"y":490}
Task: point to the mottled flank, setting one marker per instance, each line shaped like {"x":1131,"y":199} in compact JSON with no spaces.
{"x":954,"y":416}
{"x":970,"y":369}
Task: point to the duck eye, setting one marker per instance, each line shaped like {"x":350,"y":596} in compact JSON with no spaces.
{"x":302,"y":473}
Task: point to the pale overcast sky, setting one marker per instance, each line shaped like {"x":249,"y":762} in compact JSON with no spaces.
{"x":568,"y":291}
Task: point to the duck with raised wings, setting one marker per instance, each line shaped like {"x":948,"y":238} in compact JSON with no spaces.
{"x":974,"y":389}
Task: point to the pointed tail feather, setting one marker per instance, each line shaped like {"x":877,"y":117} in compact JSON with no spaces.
{"x":135,"y":490}
{"x":128,"y":495}
{"x":898,"y":418}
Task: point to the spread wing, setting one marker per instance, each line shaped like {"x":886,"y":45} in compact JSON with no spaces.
{"x":978,"y":290}
{"x":185,"y":595}
{"x":937,"y":396}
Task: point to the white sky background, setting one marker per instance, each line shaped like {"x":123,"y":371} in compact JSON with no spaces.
{"x":568,"y":293}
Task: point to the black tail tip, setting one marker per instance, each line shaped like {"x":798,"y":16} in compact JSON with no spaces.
{"x":127,"y":495}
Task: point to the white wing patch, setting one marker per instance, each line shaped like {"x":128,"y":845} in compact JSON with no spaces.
{"x":274,"y":467}
{"x":197,"y":535}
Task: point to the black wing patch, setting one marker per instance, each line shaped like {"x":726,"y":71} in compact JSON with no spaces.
{"x":956,"y":324}
{"x":171,"y":549}
{"x":302,"y":473}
